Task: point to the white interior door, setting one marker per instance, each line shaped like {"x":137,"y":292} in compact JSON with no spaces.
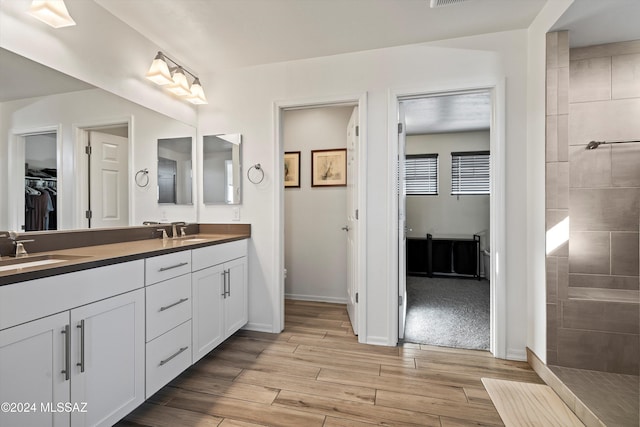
{"x":402,"y":232}
{"x":352,"y":230}
{"x":108,"y":194}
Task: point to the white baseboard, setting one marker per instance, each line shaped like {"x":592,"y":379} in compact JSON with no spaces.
{"x":315,"y":298}
{"x":383,"y":341}
{"x":258,"y":327}
{"x":516,"y":354}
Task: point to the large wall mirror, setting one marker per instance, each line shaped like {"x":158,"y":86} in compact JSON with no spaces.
{"x":47,"y":119}
{"x":222,"y":169}
{"x":175,"y":171}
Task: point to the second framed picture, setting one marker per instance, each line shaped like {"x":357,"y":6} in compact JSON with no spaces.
{"x":329,"y":168}
{"x":292,"y":169}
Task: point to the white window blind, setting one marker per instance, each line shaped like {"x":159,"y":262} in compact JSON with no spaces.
{"x":421,"y":174}
{"x":470,"y":172}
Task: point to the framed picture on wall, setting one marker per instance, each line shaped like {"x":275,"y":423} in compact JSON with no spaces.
{"x":292,"y":169}
{"x":329,"y":168}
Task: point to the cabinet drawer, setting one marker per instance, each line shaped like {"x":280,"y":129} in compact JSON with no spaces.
{"x":167,"y":356}
{"x":217,"y":254}
{"x":165,"y":267}
{"x":168,"y":305}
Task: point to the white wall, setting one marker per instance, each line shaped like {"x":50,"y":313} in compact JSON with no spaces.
{"x":100,"y":50}
{"x":243,"y":100}
{"x":315,"y":245}
{"x":446,"y":213}
{"x":90,"y":108}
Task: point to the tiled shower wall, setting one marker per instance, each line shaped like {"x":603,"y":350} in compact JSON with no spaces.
{"x":593,"y":93}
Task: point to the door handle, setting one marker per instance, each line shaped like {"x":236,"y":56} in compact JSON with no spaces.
{"x":346,"y":228}
{"x":81,"y":363}
{"x":67,"y":352}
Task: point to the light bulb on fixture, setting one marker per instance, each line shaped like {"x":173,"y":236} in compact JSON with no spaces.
{"x":197,"y":93}
{"x":180,"y":85}
{"x":159,"y":71}
{"x":51,"y":12}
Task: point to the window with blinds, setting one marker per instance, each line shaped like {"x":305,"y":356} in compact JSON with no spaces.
{"x":470,"y":172}
{"x":421,"y":174}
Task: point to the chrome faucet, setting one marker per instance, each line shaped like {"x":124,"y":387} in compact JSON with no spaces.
{"x":19,"y":244}
{"x":174,"y":229}
{"x":164,"y":233}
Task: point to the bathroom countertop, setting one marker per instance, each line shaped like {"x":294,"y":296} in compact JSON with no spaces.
{"x":101,"y":255}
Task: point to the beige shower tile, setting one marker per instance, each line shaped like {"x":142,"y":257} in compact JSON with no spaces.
{"x":615,"y":120}
{"x":599,"y":351}
{"x":551,"y":183}
{"x":625,"y":81}
{"x":601,"y":316}
{"x":604,"y":281}
{"x":563,"y":90}
{"x":563,"y":48}
{"x":589,"y":252}
{"x":552,"y":91}
{"x":552,"y":279}
{"x":590,"y":168}
{"x":606,"y":209}
{"x":625,"y":254}
{"x":552,"y":139}
{"x":590,"y":80}
{"x":625,"y":164}
{"x":562,"y":201}
{"x":563,"y":138}
{"x":552,"y":326}
{"x":609,"y":49}
{"x":563,"y":278}
{"x":552,"y":50}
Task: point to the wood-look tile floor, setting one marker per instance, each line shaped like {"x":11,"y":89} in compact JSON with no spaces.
{"x":316,"y":373}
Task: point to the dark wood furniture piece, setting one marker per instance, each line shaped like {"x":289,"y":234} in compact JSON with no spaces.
{"x":457,"y":256}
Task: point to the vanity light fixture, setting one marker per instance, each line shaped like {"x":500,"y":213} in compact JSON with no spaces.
{"x":174,"y":79}
{"x":51,"y":12}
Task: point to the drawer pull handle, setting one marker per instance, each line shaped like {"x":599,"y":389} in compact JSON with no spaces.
{"x":168,"y":359}
{"x":173,"y":266}
{"x":167,"y":307}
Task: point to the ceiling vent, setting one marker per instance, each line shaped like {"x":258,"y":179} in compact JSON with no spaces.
{"x":440,"y":3}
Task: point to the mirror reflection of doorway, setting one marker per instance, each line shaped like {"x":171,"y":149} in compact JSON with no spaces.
{"x":167,"y":180}
{"x":40,"y":182}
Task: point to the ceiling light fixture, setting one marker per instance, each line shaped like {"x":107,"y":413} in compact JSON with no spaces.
{"x":51,"y":12}
{"x":174,"y":79}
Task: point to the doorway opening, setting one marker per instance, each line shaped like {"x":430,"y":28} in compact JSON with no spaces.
{"x":40,"y":182}
{"x":322,"y":205}
{"x":34,"y":181}
{"x":444,"y":217}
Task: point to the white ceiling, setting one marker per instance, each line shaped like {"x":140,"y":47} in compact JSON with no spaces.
{"x":208,"y":35}
{"x":592,"y":22}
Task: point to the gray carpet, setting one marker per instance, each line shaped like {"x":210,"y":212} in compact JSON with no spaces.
{"x":448,"y":312}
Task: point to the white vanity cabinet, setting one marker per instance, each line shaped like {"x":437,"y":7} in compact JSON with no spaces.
{"x":88,"y":357}
{"x":32,"y":358}
{"x":168,"y":302}
{"x":107,"y":359}
{"x":219,"y":289}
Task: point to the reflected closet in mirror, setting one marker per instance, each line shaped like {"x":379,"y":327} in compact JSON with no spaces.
{"x":221,"y":169}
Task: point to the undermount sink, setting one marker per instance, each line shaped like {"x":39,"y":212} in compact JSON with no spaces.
{"x":34,"y":261}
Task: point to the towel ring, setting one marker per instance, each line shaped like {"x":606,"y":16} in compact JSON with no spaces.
{"x":257,"y":176}
{"x":142,"y":177}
